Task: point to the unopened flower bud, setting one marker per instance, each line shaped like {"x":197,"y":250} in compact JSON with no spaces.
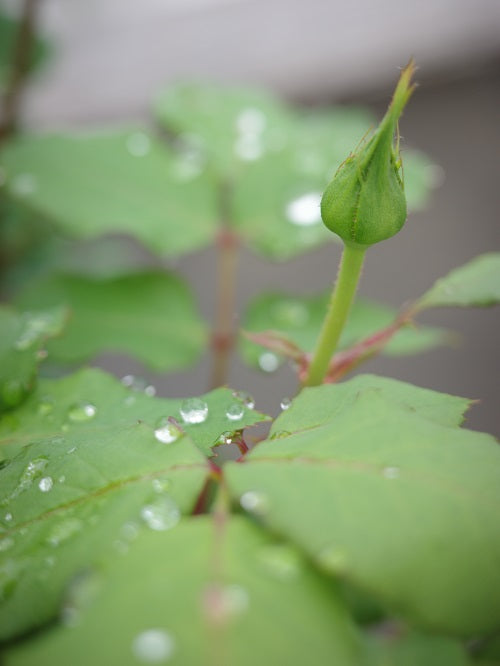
{"x":365,"y":202}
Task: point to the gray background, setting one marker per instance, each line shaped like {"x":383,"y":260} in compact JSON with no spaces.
{"x":112,"y":55}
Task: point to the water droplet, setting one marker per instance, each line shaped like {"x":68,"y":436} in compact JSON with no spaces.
{"x":224,"y":602}
{"x":166,"y":431}
{"x":391,"y":472}
{"x":285,"y":403}
{"x":45,"y":484}
{"x":235,"y":411}
{"x":45,"y":405}
{"x":81,"y":411}
{"x":245,"y":398}
{"x":304,"y":211}
{"x":62,"y":478}
{"x":24,"y":184}
{"x":153,"y":646}
{"x":161,"y":485}
{"x":289,"y":312}
{"x":138,"y":144}
{"x":8,"y":517}
{"x":251,"y":120}
{"x":333,"y":559}
{"x":134,"y":383}
{"x":130,"y":531}
{"x":249,"y":147}
{"x":6,"y":543}
{"x":269,"y":362}
{"x":150,"y":390}
{"x":225,"y":437}
{"x":64,"y":530}
{"x":31,"y":472}
{"x":279,"y":434}
{"x":194,"y":410}
{"x":255,"y":502}
{"x":280,"y":561}
{"x":162,"y":514}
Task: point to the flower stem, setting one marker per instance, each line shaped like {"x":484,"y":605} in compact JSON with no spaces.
{"x":343,"y":293}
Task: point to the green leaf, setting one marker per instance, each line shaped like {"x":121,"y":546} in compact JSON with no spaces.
{"x":151,"y":316}
{"x":399,"y":505}
{"x":8,"y":32}
{"x":121,"y":181}
{"x":300,"y":319}
{"x":476,"y":283}
{"x":22,"y":342}
{"x":49,"y":412}
{"x":319,"y":405}
{"x":415,"y":649}
{"x":207,"y":593}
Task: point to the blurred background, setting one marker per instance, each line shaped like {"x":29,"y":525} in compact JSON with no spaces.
{"x":109,"y":58}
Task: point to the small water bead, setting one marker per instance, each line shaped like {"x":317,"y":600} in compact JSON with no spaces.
{"x":235,"y":411}
{"x":167,"y":432}
{"x":81,"y":412}
{"x":24,"y":184}
{"x":8,"y":517}
{"x":62,"y":478}
{"x":268,"y":361}
{"x":245,"y":398}
{"x":161,"y":485}
{"x":45,"y":406}
{"x":251,"y":120}
{"x":162,"y":514}
{"x":280,"y":561}
{"x":304,"y":211}
{"x":46,"y":484}
{"x":225,"y":437}
{"x":31,"y":472}
{"x":6,"y":543}
{"x":153,"y":646}
{"x":224,"y":602}
{"x":333,"y":559}
{"x":139,"y":385}
{"x":391,"y":472}
{"x":64,"y":530}
{"x":194,"y":410}
{"x":255,"y":502}
{"x":130,"y":530}
{"x":285,"y":403}
{"x":138,"y":144}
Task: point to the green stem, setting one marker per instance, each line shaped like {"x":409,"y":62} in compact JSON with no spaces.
{"x":345,"y":287}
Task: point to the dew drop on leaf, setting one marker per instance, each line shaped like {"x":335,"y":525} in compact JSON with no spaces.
{"x":153,"y":646}
{"x":224,"y":602}
{"x":138,"y":144}
{"x":160,"y":485}
{"x":279,"y":561}
{"x":8,"y":517}
{"x":162,"y":514}
{"x":6,"y":543}
{"x":81,"y":411}
{"x":268,"y":361}
{"x":194,"y":410}
{"x":285,"y":403}
{"x":64,"y":530}
{"x":235,"y":411}
{"x":45,"y":406}
{"x":225,"y":437}
{"x":139,"y":385}
{"x":304,"y":211}
{"x":245,"y":398}
{"x":167,"y":432}
{"x":45,"y":484}
{"x":391,"y":472}
{"x":24,"y":184}
{"x":255,"y":502}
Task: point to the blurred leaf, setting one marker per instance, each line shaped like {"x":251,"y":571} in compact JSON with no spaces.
{"x":23,"y":337}
{"x":399,"y":505}
{"x":476,"y":283}
{"x":113,"y":182}
{"x":205,"y":593}
{"x":300,"y":319}
{"x":150,"y":316}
